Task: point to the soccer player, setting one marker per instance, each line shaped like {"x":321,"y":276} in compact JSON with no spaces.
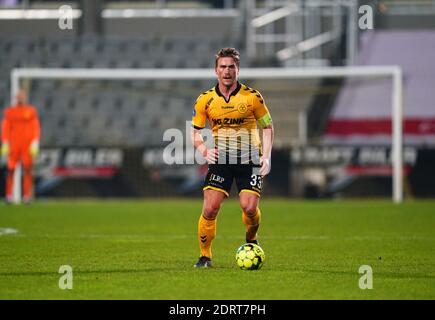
{"x":233,"y":111}
{"x":20,"y":143}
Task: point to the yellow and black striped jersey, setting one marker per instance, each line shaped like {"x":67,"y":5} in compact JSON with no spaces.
{"x":233,"y":122}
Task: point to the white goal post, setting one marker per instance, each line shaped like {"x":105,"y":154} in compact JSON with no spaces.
{"x":392,"y":72}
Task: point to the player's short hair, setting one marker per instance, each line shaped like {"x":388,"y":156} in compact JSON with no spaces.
{"x":228,"y":52}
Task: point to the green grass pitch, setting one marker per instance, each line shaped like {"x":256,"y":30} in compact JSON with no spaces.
{"x":146,"y":250}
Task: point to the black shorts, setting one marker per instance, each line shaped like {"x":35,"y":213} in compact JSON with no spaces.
{"x":220,"y":177}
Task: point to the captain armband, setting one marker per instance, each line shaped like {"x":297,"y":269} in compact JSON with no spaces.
{"x":265,"y":120}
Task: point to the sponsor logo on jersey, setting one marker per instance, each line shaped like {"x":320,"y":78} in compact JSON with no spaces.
{"x":225,"y":121}
{"x":215,"y":177}
{"x":242,"y":108}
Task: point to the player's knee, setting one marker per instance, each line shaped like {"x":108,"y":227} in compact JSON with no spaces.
{"x":211,"y":210}
{"x":249,"y":208}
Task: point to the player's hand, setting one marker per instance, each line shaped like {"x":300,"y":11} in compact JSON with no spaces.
{"x":5,"y":149}
{"x":34,"y":149}
{"x":211,"y":155}
{"x":265,"y":166}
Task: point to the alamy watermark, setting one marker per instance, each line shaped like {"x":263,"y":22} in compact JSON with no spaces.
{"x":365,"y":22}
{"x":66,"y":17}
{"x":366,"y":280}
{"x":66,"y":281}
{"x":236,"y":143}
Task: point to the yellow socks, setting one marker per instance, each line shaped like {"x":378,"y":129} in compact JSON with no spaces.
{"x":251,"y":223}
{"x":206,"y":234}
{"x":207,"y":231}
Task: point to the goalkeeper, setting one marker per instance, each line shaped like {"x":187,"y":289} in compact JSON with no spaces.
{"x":20,"y":143}
{"x":233,"y":111}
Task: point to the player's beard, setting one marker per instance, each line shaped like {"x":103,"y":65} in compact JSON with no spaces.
{"x":230,"y":84}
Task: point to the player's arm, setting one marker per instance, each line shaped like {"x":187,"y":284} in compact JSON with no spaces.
{"x":266,"y":158}
{"x":198,"y":122}
{"x":36,"y":132}
{"x":265,"y":120}
{"x":5,"y":134}
{"x":211,"y":155}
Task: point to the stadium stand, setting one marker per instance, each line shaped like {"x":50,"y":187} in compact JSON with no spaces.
{"x":122,"y":46}
{"x":111,"y":102}
{"x":105,"y":97}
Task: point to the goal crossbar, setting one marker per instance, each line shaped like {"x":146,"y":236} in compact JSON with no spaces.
{"x":392,"y":72}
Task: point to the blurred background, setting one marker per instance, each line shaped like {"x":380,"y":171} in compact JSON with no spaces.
{"x":104,"y":137}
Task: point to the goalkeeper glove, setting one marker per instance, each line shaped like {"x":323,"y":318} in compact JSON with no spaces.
{"x":34,"y":148}
{"x":5,"y":149}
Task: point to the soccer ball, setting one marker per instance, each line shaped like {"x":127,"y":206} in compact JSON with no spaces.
{"x":250,"y":256}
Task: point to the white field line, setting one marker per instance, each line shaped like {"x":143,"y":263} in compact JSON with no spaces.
{"x":154,"y":237}
{"x":7,"y":231}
